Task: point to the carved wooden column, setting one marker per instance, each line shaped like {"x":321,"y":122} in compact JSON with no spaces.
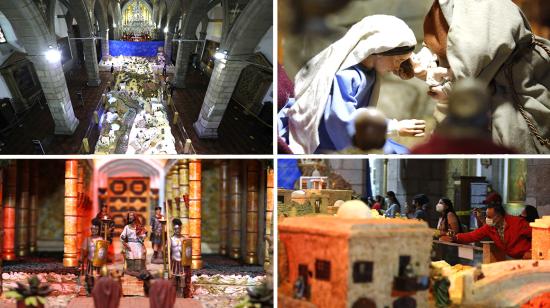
{"x":176,"y":197}
{"x":195,"y":211}
{"x":224,"y":194}
{"x":252,"y":179}
{"x":35,"y":180}
{"x":168,"y":197}
{"x":71,"y":195}
{"x":235,"y":199}
{"x":183,"y":171}
{"x":22,"y":209}
{"x":9,"y":211}
{"x":269,"y":215}
{"x":79,"y":210}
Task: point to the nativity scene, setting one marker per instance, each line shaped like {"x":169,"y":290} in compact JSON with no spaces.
{"x":449,"y":77}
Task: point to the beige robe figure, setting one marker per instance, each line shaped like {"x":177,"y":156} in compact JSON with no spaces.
{"x":491,"y":40}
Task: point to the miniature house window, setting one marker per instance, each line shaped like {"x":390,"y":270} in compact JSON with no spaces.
{"x":362,"y":271}
{"x":322,"y":270}
{"x":403,"y":262}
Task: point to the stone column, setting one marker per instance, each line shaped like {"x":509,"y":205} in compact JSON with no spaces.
{"x":185,"y":50}
{"x":224,"y":194}
{"x":235,"y":199}
{"x":70,"y":255}
{"x":105,"y":44}
{"x":183,"y":170}
{"x":220,"y":89}
{"x":195,"y":211}
{"x":55,"y":90}
{"x":270,"y":199}
{"x":168,"y":47}
{"x":252,"y":175}
{"x":90,"y":60}
{"x":9,"y":212}
{"x":22,"y":216}
{"x":35,"y":178}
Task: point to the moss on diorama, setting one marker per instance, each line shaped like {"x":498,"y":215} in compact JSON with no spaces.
{"x":292,"y":209}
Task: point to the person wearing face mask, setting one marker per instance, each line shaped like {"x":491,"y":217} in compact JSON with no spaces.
{"x":345,"y":77}
{"x":511,"y":234}
{"x":448,"y":221}
{"x":394,"y":206}
{"x":493,"y":198}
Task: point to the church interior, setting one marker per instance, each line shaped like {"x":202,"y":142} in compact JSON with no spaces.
{"x":136,"y":77}
{"x":225,"y":218}
{"x":338,"y":226}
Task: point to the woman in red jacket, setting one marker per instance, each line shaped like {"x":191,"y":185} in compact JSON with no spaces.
{"x":511,"y":234}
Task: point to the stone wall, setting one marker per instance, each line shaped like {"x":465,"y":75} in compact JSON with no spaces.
{"x":210,"y":206}
{"x":353,"y":171}
{"x":51,"y":193}
{"x":538,"y":190}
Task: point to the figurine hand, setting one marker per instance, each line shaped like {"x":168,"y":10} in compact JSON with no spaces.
{"x":413,"y":127}
{"x":446,"y":238}
{"x":438,"y":93}
{"x":422,"y":61}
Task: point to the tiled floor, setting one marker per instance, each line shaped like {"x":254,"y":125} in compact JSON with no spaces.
{"x":239,"y":132}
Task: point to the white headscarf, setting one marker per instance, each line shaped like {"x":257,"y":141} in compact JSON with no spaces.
{"x":373,"y":34}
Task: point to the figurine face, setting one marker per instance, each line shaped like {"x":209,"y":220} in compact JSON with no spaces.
{"x":177,"y":230}
{"x":131,"y":218}
{"x":95,"y":230}
{"x":157,"y":211}
{"x":386,"y":64}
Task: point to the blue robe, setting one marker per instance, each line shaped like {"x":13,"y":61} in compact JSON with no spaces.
{"x":351,"y":89}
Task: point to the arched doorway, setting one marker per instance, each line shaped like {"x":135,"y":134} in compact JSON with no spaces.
{"x":364,"y":302}
{"x":126,"y":185}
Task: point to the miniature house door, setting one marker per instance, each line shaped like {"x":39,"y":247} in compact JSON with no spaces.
{"x":125,"y":195}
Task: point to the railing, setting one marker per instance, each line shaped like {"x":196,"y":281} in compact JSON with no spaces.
{"x":176,"y":121}
{"x":89,"y":141}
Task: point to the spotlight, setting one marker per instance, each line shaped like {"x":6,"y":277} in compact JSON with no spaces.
{"x":53,"y":55}
{"x":166,"y":29}
{"x":219,"y":55}
{"x":114,"y":25}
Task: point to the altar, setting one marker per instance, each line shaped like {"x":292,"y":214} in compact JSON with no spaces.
{"x":154,"y":64}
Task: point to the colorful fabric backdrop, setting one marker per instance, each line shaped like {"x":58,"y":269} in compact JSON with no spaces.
{"x":140,"y":49}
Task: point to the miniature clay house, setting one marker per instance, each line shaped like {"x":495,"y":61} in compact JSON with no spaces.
{"x":342,"y":262}
{"x":540,"y":245}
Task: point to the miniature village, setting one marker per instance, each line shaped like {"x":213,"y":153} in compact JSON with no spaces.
{"x":340,"y":247}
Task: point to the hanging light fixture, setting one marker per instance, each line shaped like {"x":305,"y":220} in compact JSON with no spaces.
{"x":53,"y":55}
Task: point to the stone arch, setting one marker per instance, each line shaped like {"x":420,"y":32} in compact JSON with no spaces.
{"x":82,"y":14}
{"x":172,"y":18}
{"x":241,"y":41}
{"x":101,"y":15}
{"x":193,"y":16}
{"x":34,"y":35}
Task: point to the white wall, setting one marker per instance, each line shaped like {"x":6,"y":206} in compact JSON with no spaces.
{"x":60,"y":24}
{"x":4,"y":91}
{"x":265,"y":46}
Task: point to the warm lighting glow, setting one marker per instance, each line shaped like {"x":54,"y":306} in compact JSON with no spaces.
{"x":53,"y":55}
